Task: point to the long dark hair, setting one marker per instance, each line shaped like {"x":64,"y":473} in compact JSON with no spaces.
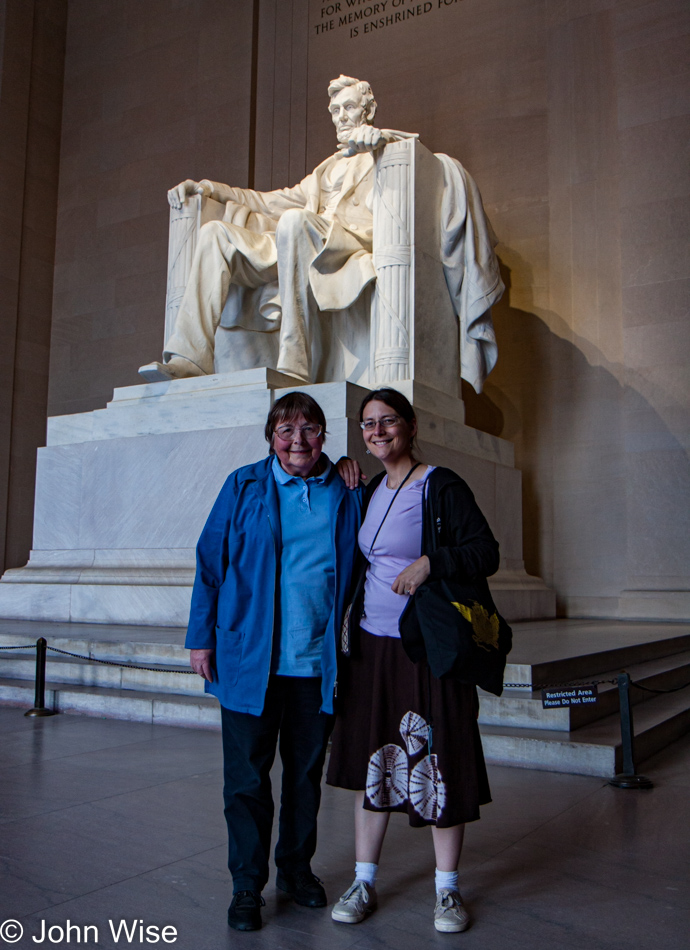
{"x":287,"y":408}
{"x":399,"y":403}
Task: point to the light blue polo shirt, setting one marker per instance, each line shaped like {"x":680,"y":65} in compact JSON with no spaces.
{"x":307,"y":572}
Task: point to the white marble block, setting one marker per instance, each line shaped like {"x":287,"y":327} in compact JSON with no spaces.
{"x":122,"y":493}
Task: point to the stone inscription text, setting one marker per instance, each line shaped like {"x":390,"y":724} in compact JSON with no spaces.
{"x":362,"y":17}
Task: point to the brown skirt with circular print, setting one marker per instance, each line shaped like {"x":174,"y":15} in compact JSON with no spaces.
{"x":410,"y":741}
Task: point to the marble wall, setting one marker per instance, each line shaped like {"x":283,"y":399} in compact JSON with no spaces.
{"x":155,"y":92}
{"x":572,"y":116}
{"x":32,"y":47}
{"x":654,"y":200}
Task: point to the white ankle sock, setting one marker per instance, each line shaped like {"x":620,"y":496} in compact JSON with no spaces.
{"x":447,"y":880}
{"x":365,"y":871}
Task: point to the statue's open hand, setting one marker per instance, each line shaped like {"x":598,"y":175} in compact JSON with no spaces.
{"x":178,"y":195}
{"x":364,"y":138}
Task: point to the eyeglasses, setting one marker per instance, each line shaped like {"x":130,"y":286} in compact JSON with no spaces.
{"x":386,"y":423}
{"x":288,"y":432}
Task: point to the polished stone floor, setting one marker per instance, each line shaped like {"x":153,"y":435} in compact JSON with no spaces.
{"x":104,"y":820}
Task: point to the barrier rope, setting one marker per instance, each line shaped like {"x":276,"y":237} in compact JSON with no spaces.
{"x":556,"y":685}
{"x":93,"y":659}
{"x":648,"y":689}
{"x":159,"y":669}
{"x":124,"y":666}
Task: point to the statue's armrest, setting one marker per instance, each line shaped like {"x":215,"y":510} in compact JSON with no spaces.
{"x":185,"y":223}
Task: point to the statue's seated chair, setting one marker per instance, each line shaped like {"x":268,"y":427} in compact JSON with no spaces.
{"x":403,"y":326}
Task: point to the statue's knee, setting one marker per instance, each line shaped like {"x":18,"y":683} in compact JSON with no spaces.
{"x":211,"y":232}
{"x":292,"y":221}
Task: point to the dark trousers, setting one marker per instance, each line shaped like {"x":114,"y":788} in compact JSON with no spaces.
{"x":291,"y":714}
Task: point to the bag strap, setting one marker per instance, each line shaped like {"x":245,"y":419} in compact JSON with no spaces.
{"x":428,"y":511}
{"x":371,"y":546}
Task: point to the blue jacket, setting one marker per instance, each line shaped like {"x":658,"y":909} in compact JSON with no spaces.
{"x":233,"y":600}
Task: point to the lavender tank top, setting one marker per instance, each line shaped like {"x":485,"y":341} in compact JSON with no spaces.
{"x":399,"y":544}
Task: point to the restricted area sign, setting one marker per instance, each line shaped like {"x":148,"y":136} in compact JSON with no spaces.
{"x":568,"y":696}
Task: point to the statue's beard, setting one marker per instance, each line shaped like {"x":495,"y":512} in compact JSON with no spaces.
{"x":343,"y":133}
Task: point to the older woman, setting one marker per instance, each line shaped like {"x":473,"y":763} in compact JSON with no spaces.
{"x":405,"y":741}
{"x":273,"y":571}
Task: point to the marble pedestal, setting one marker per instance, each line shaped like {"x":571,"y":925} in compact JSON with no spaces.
{"x":122,"y":493}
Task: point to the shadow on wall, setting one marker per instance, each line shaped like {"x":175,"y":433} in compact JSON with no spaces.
{"x":603,"y":476}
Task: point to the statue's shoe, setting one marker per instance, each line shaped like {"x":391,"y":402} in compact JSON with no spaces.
{"x":177,"y":368}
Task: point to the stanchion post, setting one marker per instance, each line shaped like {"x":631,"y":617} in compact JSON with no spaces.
{"x":40,"y":694}
{"x":628,"y":778}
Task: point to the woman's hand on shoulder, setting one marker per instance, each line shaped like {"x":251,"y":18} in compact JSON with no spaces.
{"x":414,"y":574}
{"x":349,"y":471}
{"x":201,"y":661}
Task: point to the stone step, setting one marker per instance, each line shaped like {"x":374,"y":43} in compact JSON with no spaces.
{"x":594,"y":749}
{"x":546,"y":652}
{"x":515,"y":729}
{"x":516,"y":708}
{"x":161,"y":708}
{"x":591,"y":750}
{"x":593,"y":659}
{"x":523,"y":708}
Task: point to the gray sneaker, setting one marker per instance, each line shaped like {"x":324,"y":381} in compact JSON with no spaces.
{"x":357,"y":901}
{"x":450,"y":916}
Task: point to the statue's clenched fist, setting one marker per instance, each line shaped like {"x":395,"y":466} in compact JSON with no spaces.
{"x":363,"y":138}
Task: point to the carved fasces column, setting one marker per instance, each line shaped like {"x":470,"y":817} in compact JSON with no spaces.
{"x":184,"y":228}
{"x":393,"y":238}
{"x":184,"y":231}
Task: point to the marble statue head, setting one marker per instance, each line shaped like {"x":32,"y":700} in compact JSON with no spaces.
{"x":351,"y":104}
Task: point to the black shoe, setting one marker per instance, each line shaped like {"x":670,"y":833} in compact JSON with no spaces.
{"x":245,"y":911}
{"x":303,"y":887}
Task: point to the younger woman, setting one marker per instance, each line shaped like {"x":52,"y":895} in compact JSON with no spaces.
{"x":403,"y":740}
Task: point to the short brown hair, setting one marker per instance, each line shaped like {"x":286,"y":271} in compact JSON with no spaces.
{"x":287,"y":408}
